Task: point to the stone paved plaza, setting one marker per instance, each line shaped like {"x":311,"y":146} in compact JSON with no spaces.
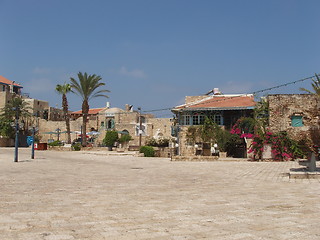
{"x":76,"y":195}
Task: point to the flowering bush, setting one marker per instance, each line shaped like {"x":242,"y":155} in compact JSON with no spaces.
{"x":257,"y":146}
{"x":283,"y":148}
{"x":246,"y":135}
{"x":244,"y":127}
{"x":235,"y":130}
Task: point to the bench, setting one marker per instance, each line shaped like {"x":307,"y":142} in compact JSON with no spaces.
{"x":310,"y":163}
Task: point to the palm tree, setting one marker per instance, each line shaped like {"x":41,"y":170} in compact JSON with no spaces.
{"x":315,"y":85}
{"x":63,"y":90}
{"x":86,"y":87}
{"x":15,"y":109}
{"x":16,"y":106}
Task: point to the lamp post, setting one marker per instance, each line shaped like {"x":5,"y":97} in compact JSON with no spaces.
{"x":140,"y":127}
{"x":16,"y":145}
{"x":58,"y":130}
{"x":32,"y":149}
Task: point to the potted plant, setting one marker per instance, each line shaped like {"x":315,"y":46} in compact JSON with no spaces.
{"x":110,"y":139}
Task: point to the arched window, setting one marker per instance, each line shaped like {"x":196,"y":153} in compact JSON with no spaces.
{"x":125,"y":131}
{"x":110,"y":124}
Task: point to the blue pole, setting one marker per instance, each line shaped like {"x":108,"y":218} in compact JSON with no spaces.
{"x":32,"y":149}
{"x":16,"y":145}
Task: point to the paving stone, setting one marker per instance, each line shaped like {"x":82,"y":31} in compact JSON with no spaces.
{"x":75,"y":195}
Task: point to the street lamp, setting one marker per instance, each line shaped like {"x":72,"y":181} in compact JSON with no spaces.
{"x":16,"y":145}
{"x":58,"y":130}
{"x":140,"y":127}
{"x":32,"y":149}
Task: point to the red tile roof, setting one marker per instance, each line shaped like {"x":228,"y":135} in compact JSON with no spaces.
{"x":8,"y":82}
{"x":91,"y":111}
{"x":221,"y":102}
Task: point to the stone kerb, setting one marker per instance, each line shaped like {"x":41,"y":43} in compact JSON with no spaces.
{"x":195,"y":158}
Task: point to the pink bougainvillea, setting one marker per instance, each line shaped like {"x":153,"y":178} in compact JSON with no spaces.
{"x":246,"y":135}
{"x":235,"y":131}
{"x":281,"y":146}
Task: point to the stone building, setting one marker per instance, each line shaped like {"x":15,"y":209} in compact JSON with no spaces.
{"x":297,"y":114}
{"x":125,"y":121}
{"x":224,"y":110}
{"x":8,"y":89}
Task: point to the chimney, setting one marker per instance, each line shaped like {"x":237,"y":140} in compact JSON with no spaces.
{"x":216,"y":91}
{"x":108,"y":105}
{"x":127,"y":107}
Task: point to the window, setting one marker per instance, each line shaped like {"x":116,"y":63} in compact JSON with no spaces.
{"x":296,"y":121}
{"x":198,"y":119}
{"x":45,"y":114}
{"x":125,"y":131}
{"x":187,"y":120}
{"x":110,"y":124}
{"x":218,"y":119}
{"x":195,"y":120}
{"x":201,"y":119}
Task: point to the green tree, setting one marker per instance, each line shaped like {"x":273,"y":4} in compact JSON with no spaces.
{"x":63,"y":90}
{"x":87,"y":88}
{"x":10,"y":109}
{"x":6,"y":128}
{"x":110,"y":138}
{"x":15,"y":108}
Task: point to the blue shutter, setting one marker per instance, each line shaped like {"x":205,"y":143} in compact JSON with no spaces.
{"x":296,"y":121}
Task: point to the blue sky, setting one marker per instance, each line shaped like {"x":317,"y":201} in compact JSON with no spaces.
{"x":154,"y":53}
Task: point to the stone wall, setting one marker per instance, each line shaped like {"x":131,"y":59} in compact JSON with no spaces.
{"x":283,"y":106}
{"x":4,"y":98}
{"x":122,"y":122}
{"x":6,"y":142}
{"x":45,"y":126}
{"x":38,"y":106}
{"x":184,"y":148}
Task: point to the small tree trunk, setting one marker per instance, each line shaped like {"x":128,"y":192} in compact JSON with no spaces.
{"x":85,"y":110}
{"x":68,"y":128}
{"x":66,"y":117}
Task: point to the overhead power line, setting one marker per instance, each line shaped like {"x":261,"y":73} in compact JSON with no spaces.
{"x":282,"y":85}
{"x":253,"y":93}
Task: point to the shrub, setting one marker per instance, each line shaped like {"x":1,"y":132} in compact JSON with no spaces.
{"x":110,"y":138}
{"x":147,"y":150}
{"x":6,"y":130}
{"x":161,"y":142}
{"x":151,"y":142}
{"x":55,"y":144}
{"x":125,"y":138}
{"x":76,"y":147}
